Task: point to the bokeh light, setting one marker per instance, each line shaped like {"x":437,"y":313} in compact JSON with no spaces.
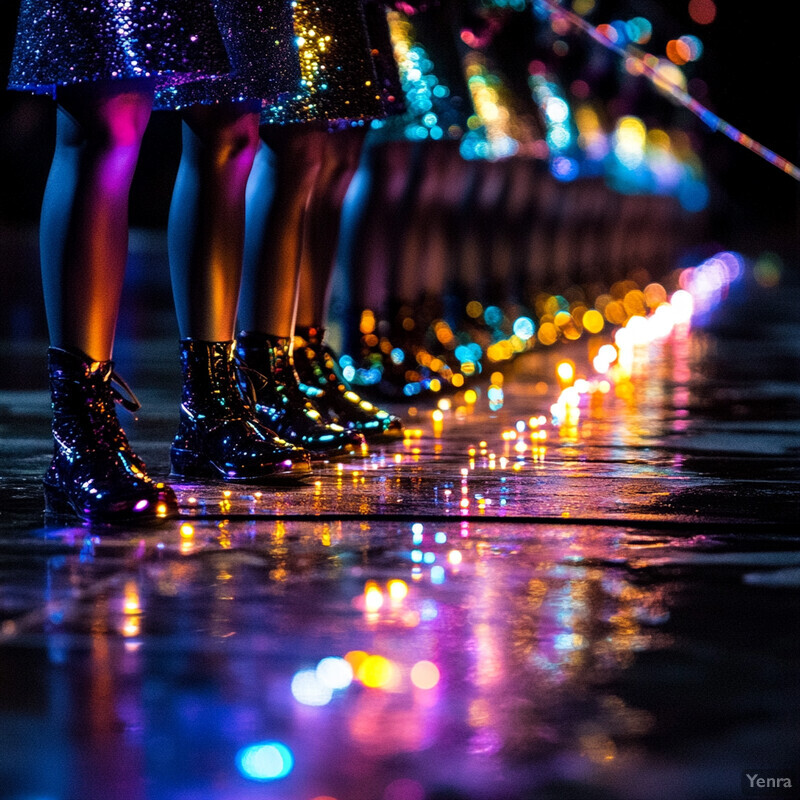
{"x":334,"y":673}
{"x":266,"y":761}
{"x":425,"y":675}
{"x":703,"y":12}
{"x":308,"y":689}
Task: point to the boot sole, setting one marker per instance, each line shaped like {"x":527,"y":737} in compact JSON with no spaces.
{"x":58,"y":507}
{"x":188,"y":464}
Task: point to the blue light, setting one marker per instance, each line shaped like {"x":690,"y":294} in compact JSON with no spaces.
{"x":693,"y":195}
{"x":493,"y":315}
{"x":266,"y":761}
{"x":564,"y":169}
{"x":397,"y":355}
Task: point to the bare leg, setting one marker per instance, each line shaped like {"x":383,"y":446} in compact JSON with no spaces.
{"x":94,"y":473}
{"x":314,"y":362}
{"x":283,"y":176}
{"x":84,"y":224}
{"x":278,"y":195}
{"x":207,"y":218}
{"x":324,"y":214}
{"x":218,"y":433}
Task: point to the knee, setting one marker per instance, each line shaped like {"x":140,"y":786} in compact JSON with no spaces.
{"x":215,"y":138}
{"x":124,"y":121}
{"x":297,"y":153}
{"x":235,"y":142}
{"x":112,"y":125}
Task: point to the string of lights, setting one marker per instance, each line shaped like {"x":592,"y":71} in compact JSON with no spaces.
{"x":639,"y":62}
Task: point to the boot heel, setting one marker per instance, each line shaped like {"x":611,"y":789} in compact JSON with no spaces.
{"x":188,"y":464}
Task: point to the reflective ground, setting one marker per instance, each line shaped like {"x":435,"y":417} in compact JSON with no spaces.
{"x":483,"y":611}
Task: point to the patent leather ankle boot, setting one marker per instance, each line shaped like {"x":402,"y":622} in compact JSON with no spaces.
{"x":281,"y":405}
{"x":95,"y":474}
{"x":219,"y":435}
{"x":316,"y":365}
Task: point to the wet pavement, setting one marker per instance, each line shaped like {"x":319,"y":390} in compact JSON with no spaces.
{"x":508,"y":604}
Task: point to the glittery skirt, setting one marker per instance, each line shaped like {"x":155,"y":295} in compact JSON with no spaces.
{"x":338,"y":80}
{"x":260,"y":41}
{"x":65,"y":42}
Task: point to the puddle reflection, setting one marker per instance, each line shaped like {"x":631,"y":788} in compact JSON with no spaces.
{"x":338,"y":660}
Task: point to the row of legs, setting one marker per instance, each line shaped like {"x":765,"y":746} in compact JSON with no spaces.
{"x":255,"y":203}
{"x":289,"y":182}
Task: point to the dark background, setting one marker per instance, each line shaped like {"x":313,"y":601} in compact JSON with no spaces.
{"x":747,"y":74}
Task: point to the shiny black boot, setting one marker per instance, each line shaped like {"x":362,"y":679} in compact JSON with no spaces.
{"x":281,"y":405}
{"x":316,"y":365}
{"x":94,"y":473}
{"x":219,"y":435}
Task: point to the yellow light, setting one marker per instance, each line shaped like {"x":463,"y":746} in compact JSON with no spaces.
{"x":455,"y":557}
{"x":161,"y":510}
{"x":373,"y":597}
{"x":444,"y":404}
{"x":470,"y":397}
{"x":187,"y":530}
{"x":377,"y":672}
{"x":425,"y":675}
{"x":565,"y":371}
{"x":367,"y":321}
{"x":355,"y":658}
{"x":474,"y":309}
{"x":131,"y":603}
{"x":593,"y":321}
{"x":437,"y":415}
{"x":398,"y":589}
